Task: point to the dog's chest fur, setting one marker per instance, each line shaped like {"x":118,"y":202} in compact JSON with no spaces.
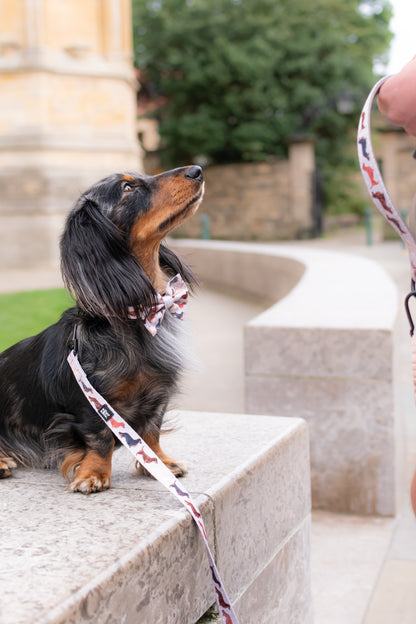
{"x":140,"y":374}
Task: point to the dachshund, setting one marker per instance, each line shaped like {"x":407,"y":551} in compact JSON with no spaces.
{"x":113,"y":259}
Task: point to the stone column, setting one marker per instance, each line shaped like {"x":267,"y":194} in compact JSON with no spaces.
{"x":67,"y":115}
{"x":389,"y":149}
{"x":302,"y":167}
{"x":390,"y":142}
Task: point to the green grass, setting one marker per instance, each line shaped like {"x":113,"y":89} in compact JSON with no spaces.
{"x":24,"y":314}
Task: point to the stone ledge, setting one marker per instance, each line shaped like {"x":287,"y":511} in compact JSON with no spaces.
{"x":323,"y":352}
{"x":132,"y":554}
{"x":243,"y":269}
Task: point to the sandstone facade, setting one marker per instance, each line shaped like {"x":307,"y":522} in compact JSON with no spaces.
{"x":67,"y":114}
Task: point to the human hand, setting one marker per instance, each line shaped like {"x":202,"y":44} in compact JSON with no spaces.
{"x":397,"y":98}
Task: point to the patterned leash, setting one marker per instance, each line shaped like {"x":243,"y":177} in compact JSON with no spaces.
{"x":150,"y":461}
{"x":384,"y":204}
{"x":374,"y":180}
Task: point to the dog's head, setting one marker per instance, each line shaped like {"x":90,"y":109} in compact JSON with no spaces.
{"x":115,"y":232}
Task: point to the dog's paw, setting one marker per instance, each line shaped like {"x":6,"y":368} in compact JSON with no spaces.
{"x":90,"y":485}
{"x":179,"y":469}
{"x":6,"y":465}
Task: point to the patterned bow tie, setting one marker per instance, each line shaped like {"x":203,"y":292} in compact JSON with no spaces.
{"x":174,"y":300}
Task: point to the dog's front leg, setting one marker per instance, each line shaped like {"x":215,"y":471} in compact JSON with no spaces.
{"x":151,"y":438}
{"x":90,"y":469}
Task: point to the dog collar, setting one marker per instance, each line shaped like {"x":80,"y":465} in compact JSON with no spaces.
{"x":174,"y":300}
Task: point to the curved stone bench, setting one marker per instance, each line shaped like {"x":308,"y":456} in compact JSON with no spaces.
{"x":323,"y":352}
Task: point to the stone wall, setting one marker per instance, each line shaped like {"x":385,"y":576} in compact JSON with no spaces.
{"x":398,"y":167}
{"x":258,"y":201}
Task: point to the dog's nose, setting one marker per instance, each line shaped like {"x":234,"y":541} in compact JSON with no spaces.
{"x":194,"y":173}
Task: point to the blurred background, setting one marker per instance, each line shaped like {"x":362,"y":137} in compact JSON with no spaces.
{"x":265,"y":94}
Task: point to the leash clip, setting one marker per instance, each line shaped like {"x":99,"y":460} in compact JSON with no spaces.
{"x":407,"y":308}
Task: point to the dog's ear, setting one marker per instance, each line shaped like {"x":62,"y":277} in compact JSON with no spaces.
{"x":172,"y":264}
{"x":98,"y":268}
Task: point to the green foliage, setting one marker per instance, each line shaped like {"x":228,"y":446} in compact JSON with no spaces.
{"x":342,"y":189}
{"x":241,"y":78}
{"x":27,"y":313}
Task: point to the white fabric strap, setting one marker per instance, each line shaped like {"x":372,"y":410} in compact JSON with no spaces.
{"x":374,"y":181}
{"x":150,"y":461}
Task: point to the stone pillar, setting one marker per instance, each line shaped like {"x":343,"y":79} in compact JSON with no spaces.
{"x":390,"y":141}
{"x":67,"y":115}
{"x":302,"y":167}
{"x":389,"y":149}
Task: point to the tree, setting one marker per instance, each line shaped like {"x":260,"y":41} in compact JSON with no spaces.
{"x":242,"y":78}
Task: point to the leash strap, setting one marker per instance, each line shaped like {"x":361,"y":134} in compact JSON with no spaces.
{"x":384,"y":204}
{"x":374,"y":180}
{"x":150,"y":461}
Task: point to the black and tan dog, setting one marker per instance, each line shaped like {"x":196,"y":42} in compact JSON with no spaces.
{"x":113,"y":259}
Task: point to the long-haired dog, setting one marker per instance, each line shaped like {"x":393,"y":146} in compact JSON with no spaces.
{"x":113,"y":260}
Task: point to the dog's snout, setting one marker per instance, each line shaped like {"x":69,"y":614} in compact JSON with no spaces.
{"x":194,"y":173}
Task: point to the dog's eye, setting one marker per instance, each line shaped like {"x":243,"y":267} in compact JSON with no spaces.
{"x":127,"y":188}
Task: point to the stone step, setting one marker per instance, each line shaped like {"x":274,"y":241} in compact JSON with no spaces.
{"x":132,"y":554}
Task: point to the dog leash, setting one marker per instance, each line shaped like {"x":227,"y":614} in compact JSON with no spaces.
{"x":383,"y":202}
{"x":374,"y":180}
{"x":150,"y":461}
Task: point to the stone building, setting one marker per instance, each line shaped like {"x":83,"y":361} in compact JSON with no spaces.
{"x":67,"y":115}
